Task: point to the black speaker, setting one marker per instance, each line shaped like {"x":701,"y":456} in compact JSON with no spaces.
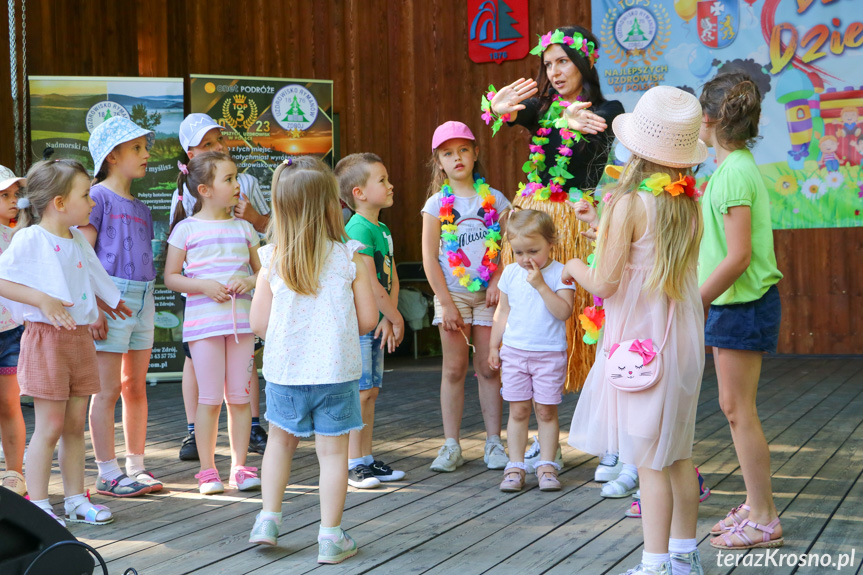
{"x":26,"y":531}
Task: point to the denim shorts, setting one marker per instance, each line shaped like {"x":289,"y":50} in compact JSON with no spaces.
{"x":326,"y":409}
{"x":10,"y":346}
{"x":751,"y":326}
{"x":373,"y":361}
{"x":136,"y":332}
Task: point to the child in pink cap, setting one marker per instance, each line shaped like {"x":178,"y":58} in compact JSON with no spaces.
{"x":461,"y":241}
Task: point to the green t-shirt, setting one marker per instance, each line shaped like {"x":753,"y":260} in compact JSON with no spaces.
{"x":737,"y":182}
{"x":379,"y":246}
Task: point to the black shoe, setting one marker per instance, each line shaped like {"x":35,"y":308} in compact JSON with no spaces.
{"x":258,"y":440}
{"x":362,"y":477}
{"x":386,"y":473}
{"x":189,"y":449}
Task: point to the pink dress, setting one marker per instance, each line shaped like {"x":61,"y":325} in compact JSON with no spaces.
{"x":655,"y":427}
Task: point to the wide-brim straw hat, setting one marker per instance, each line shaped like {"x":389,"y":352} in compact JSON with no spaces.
{"x":664,"y":128}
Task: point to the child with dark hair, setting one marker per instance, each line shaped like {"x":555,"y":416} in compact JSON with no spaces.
{"x":738,"y":276}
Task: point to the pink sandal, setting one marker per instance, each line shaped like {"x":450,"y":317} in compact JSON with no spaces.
{"x":513,"y":480}
{"x":745,"y":541}
{"x":634,"y":510}
{"x":736,"y":519}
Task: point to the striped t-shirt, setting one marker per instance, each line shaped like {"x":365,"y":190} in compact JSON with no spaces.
{"x":216,"y":250}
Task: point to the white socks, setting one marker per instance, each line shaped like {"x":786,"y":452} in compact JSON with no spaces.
{"x":334,"y":533}
{"x":110,"y":470}
{"x":365,"y":460}
{"x":681,"y":546}
{"x":134,"y":465}
{"x":654,"y":560}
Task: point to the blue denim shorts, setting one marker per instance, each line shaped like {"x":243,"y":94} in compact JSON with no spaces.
{"x":751,"y":326}
{"x":326,"y":409}
{"x":373,"y":361}
{"x":136,"y":332}
{"x":10,"y":346}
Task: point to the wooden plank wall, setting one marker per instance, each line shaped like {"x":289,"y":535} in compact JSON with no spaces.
{"x":399,"y":69}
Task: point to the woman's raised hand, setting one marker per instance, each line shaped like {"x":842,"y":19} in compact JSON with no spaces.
{"x":509,"y":99}
{"x":582,"y":120}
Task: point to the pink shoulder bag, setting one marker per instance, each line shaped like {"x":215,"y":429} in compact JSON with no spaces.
{"x":633,"y":365}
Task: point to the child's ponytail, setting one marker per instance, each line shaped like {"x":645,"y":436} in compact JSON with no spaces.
{"x":45,"y":181}
{"x":201,"y":170}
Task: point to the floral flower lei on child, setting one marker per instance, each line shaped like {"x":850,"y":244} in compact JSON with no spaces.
{"x":593,"y":318}
{"x":552,"y":119}
{"x":449,"y":236}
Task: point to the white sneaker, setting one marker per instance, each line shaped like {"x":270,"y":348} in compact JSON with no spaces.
{"x":244,"y":478}
{"x":495,"y":455}
{"x":531,"y":456}
{"x":448,"y":458}
{"x":609,"y":468}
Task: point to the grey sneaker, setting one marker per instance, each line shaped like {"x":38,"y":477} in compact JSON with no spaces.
{"x":265,"y":531}
{"x":693,"y":559}
{"x":531,"y":456}
{"x":330,"y":552}
{"x":448,"y":458}
{"x":495,"y":455}
{"x":641,"y":569}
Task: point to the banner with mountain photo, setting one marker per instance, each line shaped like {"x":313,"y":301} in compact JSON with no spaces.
{"x":267,"y":120}
{"x":804,"y":55}
{"x":63,"y":112}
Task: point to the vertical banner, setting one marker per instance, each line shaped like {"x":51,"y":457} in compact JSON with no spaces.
{"x":804,"y":55}
{"x":63,"y":112}
{"x":268,"y":119}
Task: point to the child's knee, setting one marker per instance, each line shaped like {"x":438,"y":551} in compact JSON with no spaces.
{"x":368,"y":396}
{"x":546,"y":413}
{"x":519,"y":411}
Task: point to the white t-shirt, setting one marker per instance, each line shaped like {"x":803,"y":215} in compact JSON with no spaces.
{"x":6,"y":321}
{"x":314,"y":339}
{"x":530,"y":326}
{"x":469,"y":216}
{"x":64,"y":268}
{"x":249,"y":189}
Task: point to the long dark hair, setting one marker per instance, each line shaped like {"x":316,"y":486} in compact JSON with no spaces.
{"x":591,"y":90}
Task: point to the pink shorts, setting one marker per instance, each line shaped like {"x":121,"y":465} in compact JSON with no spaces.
{"x":537,"y":375}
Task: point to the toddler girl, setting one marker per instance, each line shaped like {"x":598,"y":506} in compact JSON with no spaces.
{"x":52,"y":282}
{"x":530,"y":321}
{"x":460,"y":242}
{"x":312,"y":301}
{"x":221,"y":256}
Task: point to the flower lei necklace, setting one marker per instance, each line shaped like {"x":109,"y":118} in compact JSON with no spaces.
{"x":660,"y":182}
{"x":449,"y":236}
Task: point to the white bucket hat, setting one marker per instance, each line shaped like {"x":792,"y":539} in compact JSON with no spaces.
{"x":664,"y":128}
{"x":8,"y":177}
{"x":110,"y":134}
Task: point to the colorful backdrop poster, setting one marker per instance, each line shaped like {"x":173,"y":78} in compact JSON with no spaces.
{"x":268,"y":119}
{"x":805,"y":57}
{"x":63,"y":112}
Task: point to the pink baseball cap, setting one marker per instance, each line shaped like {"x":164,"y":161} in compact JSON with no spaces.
{"x":450,"y":131}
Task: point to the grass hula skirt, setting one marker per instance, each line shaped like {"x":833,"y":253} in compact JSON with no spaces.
{"x":571,"y":244}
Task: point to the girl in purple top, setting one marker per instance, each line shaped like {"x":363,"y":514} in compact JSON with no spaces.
{"x":121,"y":231}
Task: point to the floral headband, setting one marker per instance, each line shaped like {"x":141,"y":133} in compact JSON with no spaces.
{"x":576,"y":42}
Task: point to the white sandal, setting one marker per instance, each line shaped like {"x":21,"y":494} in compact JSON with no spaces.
{"x":92,"y":515}
{"x":617,"y":489}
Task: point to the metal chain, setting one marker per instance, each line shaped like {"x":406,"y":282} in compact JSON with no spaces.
{"x":26,"y":155}
{"x":13,"y":73}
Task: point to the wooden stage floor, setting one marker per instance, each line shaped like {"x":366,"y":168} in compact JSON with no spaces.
{"x":812,"y":410}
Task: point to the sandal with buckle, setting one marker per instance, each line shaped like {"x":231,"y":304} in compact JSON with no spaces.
{"x":736,"y":519}
{"x":546,"y":474}
{"x":634,"y":510}
{"x":14,"y":482}
{"x":147,"y":478}
{"x":513,"y":480}
{"x":91,"y":515}
{"x":112,"y":487}
{"x":745,"y":541}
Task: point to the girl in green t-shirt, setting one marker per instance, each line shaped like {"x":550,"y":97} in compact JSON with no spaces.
{"x":738,"y":276}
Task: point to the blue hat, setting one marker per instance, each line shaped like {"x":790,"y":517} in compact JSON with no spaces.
{"x":194,"y":127}
{"x":110,"y":134}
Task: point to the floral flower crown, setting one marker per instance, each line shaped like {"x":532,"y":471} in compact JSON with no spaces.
{"x":576,"y":42}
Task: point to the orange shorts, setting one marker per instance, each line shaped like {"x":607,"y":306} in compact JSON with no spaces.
{"x":56,"y":363}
